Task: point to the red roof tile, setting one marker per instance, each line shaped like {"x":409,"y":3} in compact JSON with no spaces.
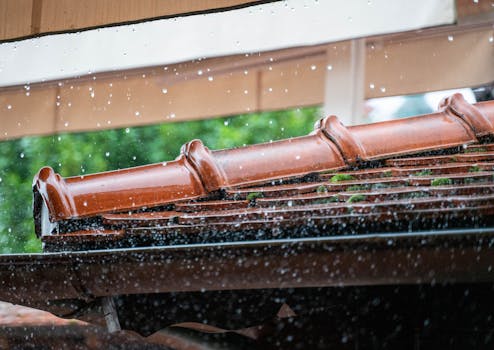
{"x":17,"y":315}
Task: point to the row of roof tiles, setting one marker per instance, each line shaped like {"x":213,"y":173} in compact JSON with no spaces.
{"x":199,"y":172}
{"x":452,"y":187}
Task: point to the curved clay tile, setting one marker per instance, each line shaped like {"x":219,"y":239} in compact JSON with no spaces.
{"x":198,"y":171}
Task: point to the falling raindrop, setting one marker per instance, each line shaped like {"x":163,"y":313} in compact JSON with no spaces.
{"x":107,"y":154}
{"x":21,"y":155}
{"x":199,"y":72}
{"x":329,"y":67}
{"x":210,"y":78}
{"x":372,"y":86}
{"x":9,"y":106}
{"x":313,"y":67}
{"x":164,"y":90}
{"x":450,"y":38}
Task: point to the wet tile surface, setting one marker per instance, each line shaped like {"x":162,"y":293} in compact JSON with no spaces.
{"x":441,"y":191}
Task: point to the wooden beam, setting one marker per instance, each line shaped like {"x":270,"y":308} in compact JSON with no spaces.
{"x":15,"y":18}
{"x":247,"y":83}
{"x":447,"y":60}
{"x":20,"y":18}
{"x":344,"y":83}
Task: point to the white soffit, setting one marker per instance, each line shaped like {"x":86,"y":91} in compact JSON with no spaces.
{"x":257,"y":28}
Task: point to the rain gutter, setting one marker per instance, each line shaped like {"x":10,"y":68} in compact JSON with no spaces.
{"x":446,"y":256}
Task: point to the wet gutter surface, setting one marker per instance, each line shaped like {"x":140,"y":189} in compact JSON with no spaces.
{"x":446,"y":256}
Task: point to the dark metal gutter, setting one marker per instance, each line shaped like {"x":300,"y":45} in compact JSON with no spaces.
{"x":446,"y":256}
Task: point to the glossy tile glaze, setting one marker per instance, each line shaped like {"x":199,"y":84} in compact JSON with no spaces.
{"x":199,"y":172}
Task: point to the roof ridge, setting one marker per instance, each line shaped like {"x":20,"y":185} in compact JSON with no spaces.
{"x":198,"y":171}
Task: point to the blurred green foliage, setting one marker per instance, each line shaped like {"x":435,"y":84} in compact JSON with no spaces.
{"x":90,"y":152}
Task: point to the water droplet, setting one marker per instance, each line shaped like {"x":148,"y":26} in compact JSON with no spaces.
{"x":66,"y":124}
{"x":226,"y":123}
{"x":491,"y":39}
{"x":329,"y":67}
{"x":450,"y":38}
{"x":383,"y":89}
{"x":297,"y":157}
{"x":9,"y":106}
{"x":164,"y":90}
{"x":127,"y":130}
{"x":313,"y":67}
{"x":84,"y":204}
{"x":107,"y":154}
{"x":199,"y":72}
{"x":21,"y":155}
{"x":372,"y":86}
{"x":210,"y":78}
{"x":246,"y":92}
{"x":137,"y":113}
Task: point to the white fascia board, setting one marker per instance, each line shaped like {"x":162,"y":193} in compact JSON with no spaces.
{"x":265,"y":27}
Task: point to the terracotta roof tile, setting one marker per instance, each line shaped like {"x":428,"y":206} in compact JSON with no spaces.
{"x":364,"y":178}
{"x":17,"y":315}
